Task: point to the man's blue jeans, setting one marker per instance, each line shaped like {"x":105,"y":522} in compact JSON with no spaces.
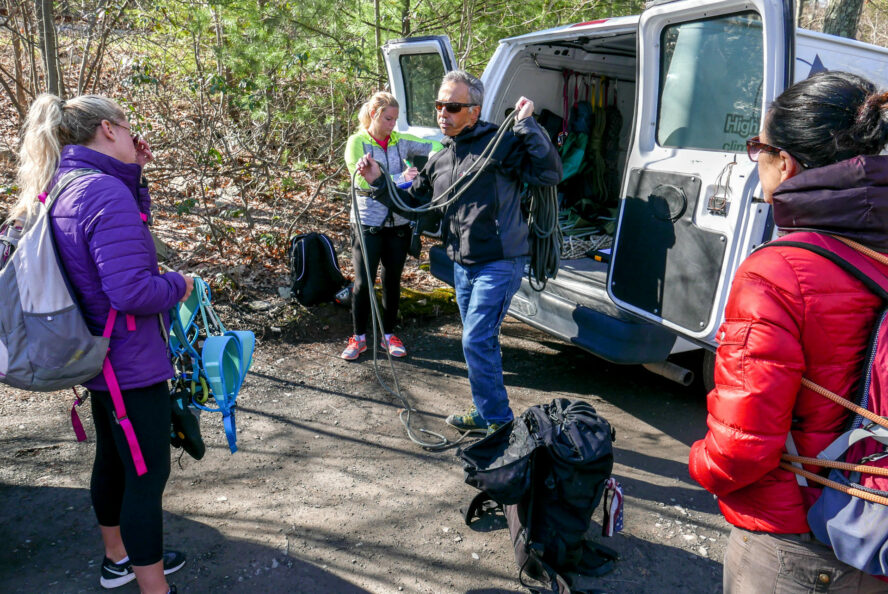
{"x":483,"y":294}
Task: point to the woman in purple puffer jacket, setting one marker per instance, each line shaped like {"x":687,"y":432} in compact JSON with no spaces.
{"x":99,"y":224}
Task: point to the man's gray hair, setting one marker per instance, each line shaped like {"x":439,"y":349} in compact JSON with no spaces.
{"x":476,"y":87}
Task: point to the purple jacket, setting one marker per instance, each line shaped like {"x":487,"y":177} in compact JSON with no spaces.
{"x":848,"y":198}
{"x":109,"y":257}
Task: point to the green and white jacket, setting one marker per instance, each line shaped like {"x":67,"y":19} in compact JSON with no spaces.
{"x":400,"y":147}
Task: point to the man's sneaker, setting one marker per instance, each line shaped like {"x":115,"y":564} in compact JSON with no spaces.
{"x":492,"y":427}
{"x":354,"y":349}
{"x":114,"y":575}
{"x":471,"y":421}
{"x":395,"y":346}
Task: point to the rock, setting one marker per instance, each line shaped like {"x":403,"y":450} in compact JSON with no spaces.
{"x":457,"y":539}
{"x":445,"y":528}
{"x":704,"y":552}
{"x":689,"y":537}
{"x":285,"y":292}
{"x":475,"y":556}
{"x":260,"y":305}
{"x":220,"y":498}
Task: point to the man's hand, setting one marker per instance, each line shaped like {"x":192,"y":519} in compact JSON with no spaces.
{"x":368,"y":168}
{"x":524,"y":107}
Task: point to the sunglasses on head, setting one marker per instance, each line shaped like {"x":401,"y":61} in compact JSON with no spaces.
{"x":452,"y":106}
{"x":755,"y":147}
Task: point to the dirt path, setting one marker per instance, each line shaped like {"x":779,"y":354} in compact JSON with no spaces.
{"x":328,"y":495}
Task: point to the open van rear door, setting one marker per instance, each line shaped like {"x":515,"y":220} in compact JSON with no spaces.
{"x":416,"y":66}
{"x":707,"y":70}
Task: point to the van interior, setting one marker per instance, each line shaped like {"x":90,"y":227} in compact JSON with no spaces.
{"x":583,"y":90}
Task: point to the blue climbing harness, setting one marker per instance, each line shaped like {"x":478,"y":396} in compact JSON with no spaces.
{"x":213,"y":360}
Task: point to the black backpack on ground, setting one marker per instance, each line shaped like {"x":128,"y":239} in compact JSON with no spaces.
{"x":548,"y":469}
{"x":315,"y":276}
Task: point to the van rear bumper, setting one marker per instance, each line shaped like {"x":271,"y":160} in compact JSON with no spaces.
{"x":578,"y":311}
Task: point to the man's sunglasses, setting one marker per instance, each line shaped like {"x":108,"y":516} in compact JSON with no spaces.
{"x":452,"y":106}
{"x":755,"y":147}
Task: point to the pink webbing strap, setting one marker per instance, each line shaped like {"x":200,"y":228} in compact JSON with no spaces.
{"x":117,"y":400}
{"x":75,"y":418}
{"x":130,"y":322}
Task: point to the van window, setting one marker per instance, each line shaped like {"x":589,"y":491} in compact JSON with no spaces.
{"x":422,"y":77}
{"x":711,"y":74}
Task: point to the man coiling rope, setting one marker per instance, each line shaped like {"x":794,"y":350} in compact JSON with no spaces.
{"x":478,"y":180}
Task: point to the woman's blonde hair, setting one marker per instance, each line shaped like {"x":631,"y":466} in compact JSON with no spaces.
{"x":51,"y":124}
{"x":375,"y":105}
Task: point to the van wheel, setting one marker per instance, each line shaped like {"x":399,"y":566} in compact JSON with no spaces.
{"x":707,"y":370}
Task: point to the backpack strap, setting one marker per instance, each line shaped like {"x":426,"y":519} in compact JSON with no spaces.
{"x":850,"y":256}
{"x":63,"y":183}
{"x":117,"y":400}
{"x":856,"y":260}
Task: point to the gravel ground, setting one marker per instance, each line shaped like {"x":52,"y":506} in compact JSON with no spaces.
{"x":327,"y":494}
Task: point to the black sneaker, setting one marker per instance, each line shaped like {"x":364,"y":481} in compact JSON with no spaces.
{"x":114,"y":575}
{"x":172,"y":562}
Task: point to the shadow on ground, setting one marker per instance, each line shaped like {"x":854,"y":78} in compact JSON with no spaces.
{"x":61,"y":552}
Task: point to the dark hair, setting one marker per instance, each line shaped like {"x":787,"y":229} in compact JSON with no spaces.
{"x":829,"y":117}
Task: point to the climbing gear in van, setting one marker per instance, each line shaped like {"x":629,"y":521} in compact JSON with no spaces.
{"x":549,"y":469}
{"x":315,"y":276}
{"x":45,"y":344}
{"x":209,"y":359}
{"x":851,"y":513}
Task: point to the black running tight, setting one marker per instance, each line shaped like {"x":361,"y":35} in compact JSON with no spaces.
{"x":388,"y":245}
{"x":118,"y":495}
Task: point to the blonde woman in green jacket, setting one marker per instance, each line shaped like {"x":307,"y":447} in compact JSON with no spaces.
{"x":387,"y":235}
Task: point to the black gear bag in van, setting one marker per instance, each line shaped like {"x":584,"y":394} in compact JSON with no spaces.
{"x":315,"y":276}
{"x":548,"y":469}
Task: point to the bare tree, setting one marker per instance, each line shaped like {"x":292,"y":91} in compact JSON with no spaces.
{"x":842,"y":17}
{"x":49,"y":47}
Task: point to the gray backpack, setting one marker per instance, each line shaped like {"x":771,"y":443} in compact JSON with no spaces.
{"x":45,"y":344}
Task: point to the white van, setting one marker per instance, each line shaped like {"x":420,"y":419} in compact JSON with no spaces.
{"x":692,"y":80}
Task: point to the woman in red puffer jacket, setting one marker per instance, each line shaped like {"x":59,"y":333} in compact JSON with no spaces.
{"x":792,"y":313}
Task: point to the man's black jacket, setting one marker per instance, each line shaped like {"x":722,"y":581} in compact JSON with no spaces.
{"x":486,"y":223}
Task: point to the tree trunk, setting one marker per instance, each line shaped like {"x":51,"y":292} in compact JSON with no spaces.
{"x":405,"y":18}
{"x":48,"y":46}
{"x":378,"y":43}
{"x":18,"y":59}
{"x":842,"y":17}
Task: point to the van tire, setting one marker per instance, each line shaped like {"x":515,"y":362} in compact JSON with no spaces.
{"x":707,"y":370}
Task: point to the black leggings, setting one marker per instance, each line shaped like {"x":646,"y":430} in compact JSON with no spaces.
{"x":388,"y":245}
{"x":119,"y":497}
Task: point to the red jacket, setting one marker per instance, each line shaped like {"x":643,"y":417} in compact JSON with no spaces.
{"x":790,"y":313}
